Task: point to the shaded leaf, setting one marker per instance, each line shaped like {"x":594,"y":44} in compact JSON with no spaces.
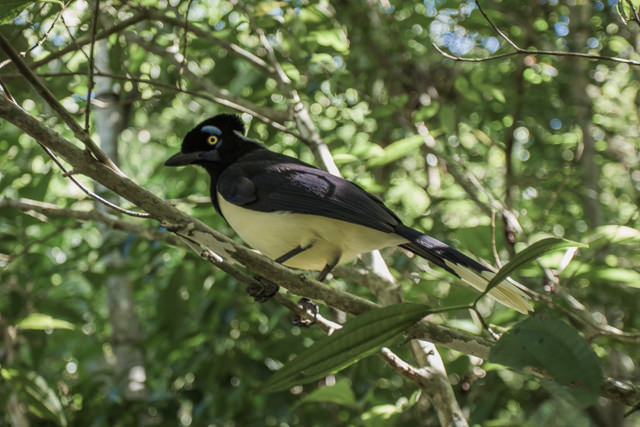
{"x":554,"y":350}
{"x":34,"y":391}
{"x":359,"y":338}
{"x":339,"y":393}
{"x":10,"y":9}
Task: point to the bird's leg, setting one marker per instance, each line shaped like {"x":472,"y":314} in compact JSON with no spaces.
{"x":264,"y":289}
{"x":293,"y":252}
{"x":309,"y":306}
{"x":327,"y":269}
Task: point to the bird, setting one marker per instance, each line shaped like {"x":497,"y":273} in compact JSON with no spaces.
{"x":306,"y":218}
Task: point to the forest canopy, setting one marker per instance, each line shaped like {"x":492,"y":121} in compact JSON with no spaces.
{"x":507,"y":129}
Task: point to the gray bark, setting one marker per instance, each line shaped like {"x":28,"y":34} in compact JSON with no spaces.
{"x":110,"y":120}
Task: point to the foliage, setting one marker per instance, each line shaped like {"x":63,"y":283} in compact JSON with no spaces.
{"x":549,"y":143}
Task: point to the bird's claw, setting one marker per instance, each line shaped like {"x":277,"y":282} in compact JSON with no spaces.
{"x":262,"y":289}
{"x":310,"y":313}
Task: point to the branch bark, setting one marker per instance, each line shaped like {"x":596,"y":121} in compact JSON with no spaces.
{"x":224,"y":248}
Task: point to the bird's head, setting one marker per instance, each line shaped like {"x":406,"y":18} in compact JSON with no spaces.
{"x":216,"y":141}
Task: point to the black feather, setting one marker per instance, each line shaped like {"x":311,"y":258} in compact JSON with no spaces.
{"x":436,"y":251}
{"x":283,"y":183}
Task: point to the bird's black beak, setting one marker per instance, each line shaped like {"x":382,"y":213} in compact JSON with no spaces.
{"x":182,"y":159}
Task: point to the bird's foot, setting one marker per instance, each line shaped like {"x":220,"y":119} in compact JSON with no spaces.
{"x":262,"y":289}
{"x":310,"y":313}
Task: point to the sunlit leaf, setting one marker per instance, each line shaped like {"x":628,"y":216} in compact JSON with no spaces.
{"x":625,"y":275}
{"x":10,"y":9}
{"x":41,"y":321}
{"x":397,"y":150}
{"x":334,"y":38}
{"x":529,"y":254}
{"x":614,"y":234}
{"x":266,"y":7}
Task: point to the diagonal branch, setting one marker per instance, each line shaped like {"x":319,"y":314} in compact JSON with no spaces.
{"x":613,"y":389}
{"x":78,"y":44}
{"x":217,"y":243}
{"x":53,"y":102}
{"x":233,"y":48}
{"x":218,"y":95}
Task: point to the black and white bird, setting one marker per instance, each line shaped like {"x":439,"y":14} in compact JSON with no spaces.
{"x":306,"y":218}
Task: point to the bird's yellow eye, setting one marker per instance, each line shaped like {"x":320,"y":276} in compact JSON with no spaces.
{"x":212,"y":140}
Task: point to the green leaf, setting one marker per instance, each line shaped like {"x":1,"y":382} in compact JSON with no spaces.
{"x":10,"y":9}
{"x":264,"y":8}
{"x":556,"y":351}
{"x":339,"y":393}
{"x":447,"y":118}
{"x":624,"y":275}
{"x":41,"y":321}
{"x":396,"y":150}
{"x":334,"y":38}
{"x":359,"y":338}
{"x":614,"y":234}
{"x":498,"y":94}
{"x":524,"y":257}
{"x":34,"y":391}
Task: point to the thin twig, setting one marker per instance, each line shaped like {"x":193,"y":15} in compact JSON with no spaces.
{"x":43,"y":38}
{"x":495,"y":27}
{"x":206,"y":35}
{"x":183,"y":60}
{"x":521,"y":51}
{"x":89,"y":192}
{"x":51,"y":210}
{"x":74,"y":180}
{"x":78,"y":44}
{"x":494,"y":246}
{"x":53,"y":102}
{"x":636,"y":16}
{"x":91,"y":83}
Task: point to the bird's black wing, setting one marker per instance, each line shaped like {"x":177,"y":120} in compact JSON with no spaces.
{"x":266,"y":181}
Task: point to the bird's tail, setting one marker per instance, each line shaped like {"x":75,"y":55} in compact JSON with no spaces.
{"x":465,"y":268}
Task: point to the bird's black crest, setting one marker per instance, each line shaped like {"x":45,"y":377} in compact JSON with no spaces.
{"x":227,"y":123}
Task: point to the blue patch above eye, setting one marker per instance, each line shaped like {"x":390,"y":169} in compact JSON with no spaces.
{"x":211,"y":130}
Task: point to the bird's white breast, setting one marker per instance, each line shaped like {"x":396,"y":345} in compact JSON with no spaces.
{"x":276,"y":233}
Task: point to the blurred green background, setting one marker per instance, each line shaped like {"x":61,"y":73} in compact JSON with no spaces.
{"x":552,"y":140}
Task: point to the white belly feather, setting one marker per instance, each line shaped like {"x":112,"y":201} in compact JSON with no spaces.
{"x":276,"y":233}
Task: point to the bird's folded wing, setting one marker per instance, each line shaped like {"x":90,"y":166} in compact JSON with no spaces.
{"x":270,"y":182}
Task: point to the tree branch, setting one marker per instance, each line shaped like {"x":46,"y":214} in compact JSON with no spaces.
{"x":53,"y":102}
{"x":206,"y":35}
{"x":621,"y":391}
{"x":186,"y":226}
{"x":522,"y":51}
{"x":78,"y":44}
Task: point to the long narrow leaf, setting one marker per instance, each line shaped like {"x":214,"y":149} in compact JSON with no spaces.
{"x":359,"y":338}
{"x":529,"y":254}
